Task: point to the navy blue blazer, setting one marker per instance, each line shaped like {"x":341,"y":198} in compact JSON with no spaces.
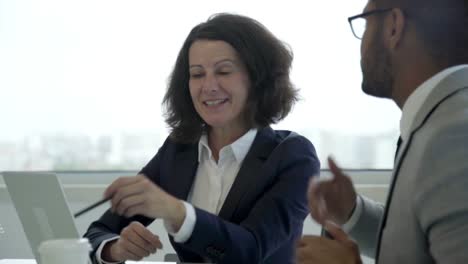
{"x":262,"y":216}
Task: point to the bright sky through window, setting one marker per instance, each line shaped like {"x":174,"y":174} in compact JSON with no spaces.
{"x":96,"y":71}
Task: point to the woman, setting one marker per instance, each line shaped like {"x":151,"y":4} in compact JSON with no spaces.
{"x":228,"y":188}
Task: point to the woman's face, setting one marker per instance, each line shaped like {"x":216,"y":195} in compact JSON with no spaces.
{"x":219,"y":84}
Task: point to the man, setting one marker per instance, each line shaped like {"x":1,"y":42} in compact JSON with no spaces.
{"x":416,"y":53}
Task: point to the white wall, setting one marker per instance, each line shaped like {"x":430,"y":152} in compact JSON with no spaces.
{"x":85,"y":188}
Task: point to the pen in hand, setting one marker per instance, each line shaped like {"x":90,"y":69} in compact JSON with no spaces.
{"x":92,"y":206}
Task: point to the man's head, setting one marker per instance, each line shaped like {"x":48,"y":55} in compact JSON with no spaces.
{"x":407,"y":41}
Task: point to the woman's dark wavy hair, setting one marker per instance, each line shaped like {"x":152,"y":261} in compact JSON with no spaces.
{"x":267,"y":60}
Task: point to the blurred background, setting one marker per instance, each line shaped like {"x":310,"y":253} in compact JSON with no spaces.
{"x":81,"y":85}
{"x":81,"y":82}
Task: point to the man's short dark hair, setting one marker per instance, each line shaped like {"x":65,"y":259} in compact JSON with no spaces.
{"x":267,"y":60}
{"x":442,"y":25}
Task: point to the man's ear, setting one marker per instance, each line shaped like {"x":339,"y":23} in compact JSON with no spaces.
{"x":394,"y":28}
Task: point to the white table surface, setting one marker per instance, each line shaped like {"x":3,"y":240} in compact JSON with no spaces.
{"x":32,"y":261}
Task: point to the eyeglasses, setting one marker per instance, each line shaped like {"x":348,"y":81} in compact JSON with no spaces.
{"x":358,"y":22}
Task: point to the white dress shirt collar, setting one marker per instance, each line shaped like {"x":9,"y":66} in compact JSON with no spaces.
{"x":418,"y":97}
{"x":239,"y":148}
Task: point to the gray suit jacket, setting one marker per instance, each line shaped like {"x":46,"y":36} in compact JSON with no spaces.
{"x":425,"y":219}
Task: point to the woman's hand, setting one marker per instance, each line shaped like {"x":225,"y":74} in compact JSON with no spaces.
{"x":135,"y":242}
{"x":138,"y":195}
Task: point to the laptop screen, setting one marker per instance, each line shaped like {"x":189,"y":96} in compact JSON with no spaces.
{"x":41,"y":207}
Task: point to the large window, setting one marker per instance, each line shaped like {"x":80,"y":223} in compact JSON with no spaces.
{"x":81,"y":82}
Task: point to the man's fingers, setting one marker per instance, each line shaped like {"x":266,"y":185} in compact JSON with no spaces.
{"x":301,"y":255}
{"x":307,"y":247}
{"x":322,"y":210}
{"x":335,"y":170}
{"x":319,"y":212}
{"x":310,"y":239}
{"x":316,"y":191}
{"x":336,"y":232}
{"x":317,"y":200}
{"x":300,"y":243}
{"x":316,"y":216}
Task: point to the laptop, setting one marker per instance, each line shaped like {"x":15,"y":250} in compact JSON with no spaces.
{"x":41,"y":207}
{"x":44,"y":212}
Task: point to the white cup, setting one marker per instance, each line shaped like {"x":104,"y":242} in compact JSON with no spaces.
{"x":60,"y":251}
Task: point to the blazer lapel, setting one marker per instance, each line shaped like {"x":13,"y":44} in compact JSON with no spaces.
{"x":250,"y":171}
{"x":184,"y":168}
{"x":446,"y":88}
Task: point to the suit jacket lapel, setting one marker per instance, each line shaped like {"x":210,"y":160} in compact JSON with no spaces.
{"x":179,"y":181}
{"x":184,"y":169}
{"x":250,"y":171}
{"x":446,"y":88}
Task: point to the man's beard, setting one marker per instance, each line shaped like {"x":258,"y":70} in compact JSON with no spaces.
{"x":377,"y":76}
